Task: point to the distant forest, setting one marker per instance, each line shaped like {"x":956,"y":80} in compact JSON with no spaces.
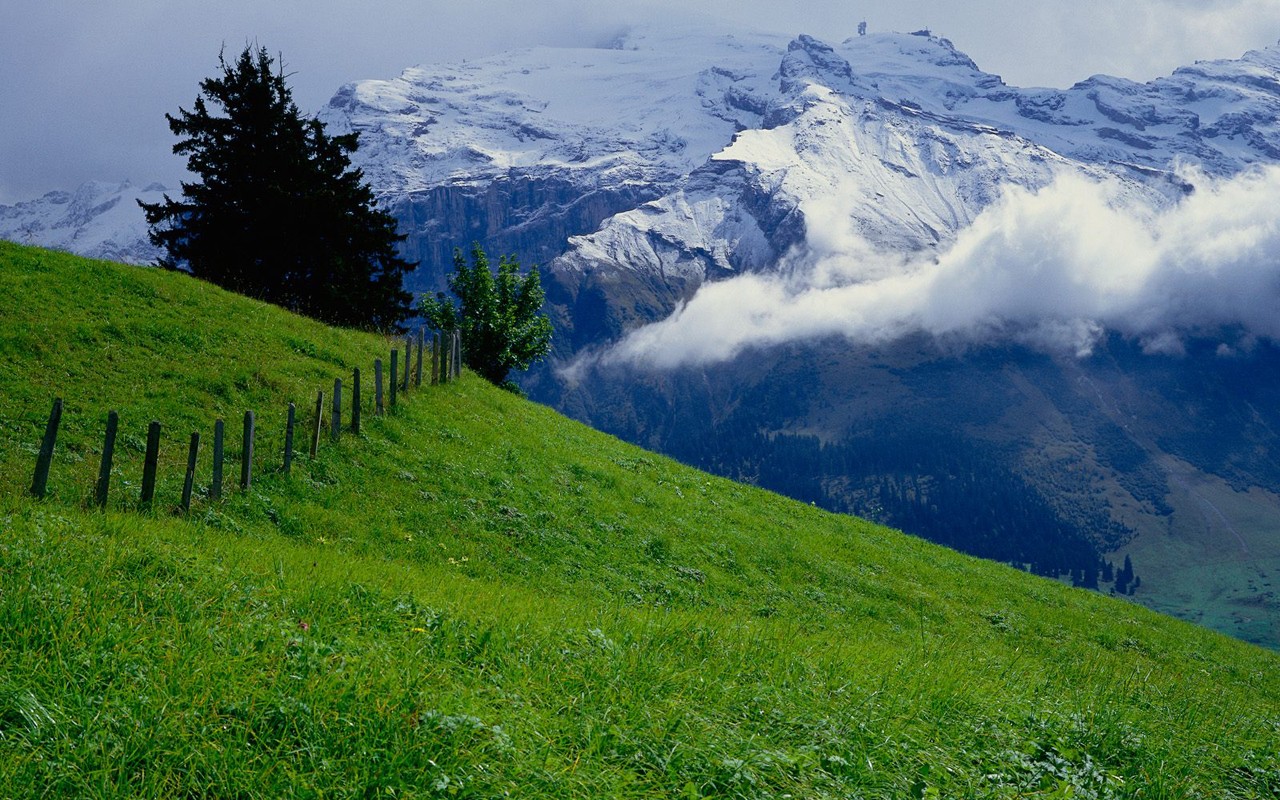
{"x":928,"y":483}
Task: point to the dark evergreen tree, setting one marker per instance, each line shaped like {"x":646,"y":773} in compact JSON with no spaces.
{"x":503,"y":327}
{"x":278,"y":212}
{"x":1124,"y":576}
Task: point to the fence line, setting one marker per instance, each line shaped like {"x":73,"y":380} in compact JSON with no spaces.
{"x":445,"y":365}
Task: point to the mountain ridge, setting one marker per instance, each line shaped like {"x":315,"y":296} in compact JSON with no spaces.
{"x":503,"y":116}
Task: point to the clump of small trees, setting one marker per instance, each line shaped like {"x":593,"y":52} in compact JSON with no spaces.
{"x":500,"y":316}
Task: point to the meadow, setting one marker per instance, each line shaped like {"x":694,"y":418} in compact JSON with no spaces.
{"x":476,"y":597}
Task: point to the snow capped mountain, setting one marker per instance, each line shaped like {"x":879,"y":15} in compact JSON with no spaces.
{"x":640,"y":110}
{"x":99,"y":220}
{"x":682,"y":156}
{"x":700,"y":153}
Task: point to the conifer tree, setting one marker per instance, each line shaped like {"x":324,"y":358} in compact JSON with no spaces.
{"x":277,"y":213}
{"x":503,"y":327}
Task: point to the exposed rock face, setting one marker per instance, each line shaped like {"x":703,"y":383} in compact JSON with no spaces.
{"x":523,"y":214}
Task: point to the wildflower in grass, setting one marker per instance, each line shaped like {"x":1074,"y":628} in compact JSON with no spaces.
{"x":303,"y":625}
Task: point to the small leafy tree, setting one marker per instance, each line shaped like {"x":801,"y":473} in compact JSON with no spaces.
{"x":278,"y":212}
{"x":503,"y":327}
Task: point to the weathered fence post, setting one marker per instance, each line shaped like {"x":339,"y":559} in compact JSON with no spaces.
{"x":395,"y":364}
{"x":457,"y":354}
{"x":335,"y":421}
{"x":444,"y":360}
{"x":289,"y":425}
{"x":315,"y":429}
{"x":377,"y":386}
{"x":215,"y":488}
{"x":417,"y":372}
{"x":408,"y":349}
{"x":40,"y":481}
{"x":192,"y":453}
{"x":435,"y":359}
{"x":149,"y":462}
{"x":246,"y":453}
{"x":108,"y":453}
{"x":355,"y":400}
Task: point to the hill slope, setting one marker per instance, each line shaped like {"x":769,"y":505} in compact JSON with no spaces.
{"x":477,"y":596}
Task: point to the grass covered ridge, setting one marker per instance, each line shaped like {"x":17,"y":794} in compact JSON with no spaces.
{"x":478,"y":597}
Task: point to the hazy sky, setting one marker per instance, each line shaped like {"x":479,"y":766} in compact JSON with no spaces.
{"x":85,"y":84}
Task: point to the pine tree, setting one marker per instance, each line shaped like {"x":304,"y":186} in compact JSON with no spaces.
{"x":499,"y":316}
{"x":1124,"y":576}
{"x":278,"y":212}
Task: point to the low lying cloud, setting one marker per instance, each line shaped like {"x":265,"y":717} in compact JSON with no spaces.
{"x":1054,"y":269}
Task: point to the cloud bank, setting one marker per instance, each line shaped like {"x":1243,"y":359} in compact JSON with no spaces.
{"x":1054,"y":269}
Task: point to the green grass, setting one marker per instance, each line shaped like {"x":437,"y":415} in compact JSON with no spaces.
{"x":479,"y":598}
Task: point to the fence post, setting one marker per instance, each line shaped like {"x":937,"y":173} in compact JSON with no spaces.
{"x":408,"y":352}
{"x":395,"y":365}
{"x":149,"y":463}
{"x":444,"y":360}
{"x":215,"y":488}
{"x":246,"y":453}
{"x":108,"y":454}
{"x":457,"y":354}
{"x":315,"y":429}
{"x":192,"y":452}
{"x":289,"y":425}
{"x":355,"y":400}
{"x":377,"y":386}
{"x":40,"y":481}
{"x":335,"y":420}
{"x":417,"y":372}
{"x":435,"y":359}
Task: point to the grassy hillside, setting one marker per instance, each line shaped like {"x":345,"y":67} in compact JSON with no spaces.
{"x":479,"y":598}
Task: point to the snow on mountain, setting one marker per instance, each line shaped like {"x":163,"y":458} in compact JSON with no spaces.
{"x":695,"y":153}
{"x":915,"y":141}
{"x":99,"y":220}
{"x":639,"y":109}
{"x":683,"y":156}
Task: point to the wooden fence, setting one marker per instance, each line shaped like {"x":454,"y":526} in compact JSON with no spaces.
{"x":445,"y":365}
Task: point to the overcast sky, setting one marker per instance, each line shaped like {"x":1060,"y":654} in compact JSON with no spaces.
{"x":85,"y":84}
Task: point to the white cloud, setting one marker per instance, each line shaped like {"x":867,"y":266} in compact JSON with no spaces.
{"x":1053,"y":269}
